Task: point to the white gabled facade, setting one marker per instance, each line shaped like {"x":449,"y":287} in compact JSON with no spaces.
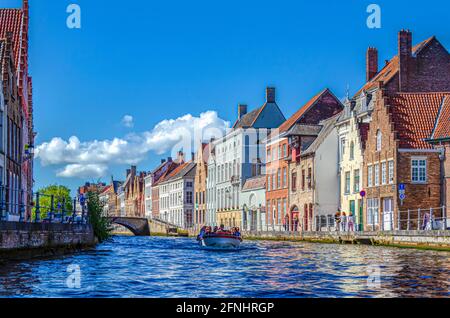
{"x":176,"y":194}
{"x":148,"y":206}
{"x":237,"y":156}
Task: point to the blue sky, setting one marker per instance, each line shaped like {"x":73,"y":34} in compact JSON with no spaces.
{"x":161,"y":60}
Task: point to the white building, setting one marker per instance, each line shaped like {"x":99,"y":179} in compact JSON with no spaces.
{"x":148,"y":205}
{"x":121,"y":200}
{"x":253,"y":201}
{"x":176,"y":196}
{"x":237,"y":156}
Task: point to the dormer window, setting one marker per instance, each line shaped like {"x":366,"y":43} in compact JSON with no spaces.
{"x":379,"y":140}
{"x":363,"y":101}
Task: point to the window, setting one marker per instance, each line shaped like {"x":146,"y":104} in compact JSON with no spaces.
{"x":284,"y":177}
{"x":269,"y":182}
{"x":309,"y":178}
{"x":279,"y":152}
{"x":279,"y":212}
{"x":279,"y":179}
{"x":377,"y":174}
{"x":189,"y":184}
{"x":294,"y":181}
{"x":268,"y":155}
{"x":372,"y":211}
{"x":383,"y":173}
{"x":379,"y":140}
{"x":303,"y":180}
{"x":419,"y":170}
{"x":356,"y":180}
{"x":284,"y":150}
{"x":347,"y":183}
{"x":391,"y":172}
{"x":284,"y":208}
{"x":369,"y":176}
{"x":352,"y":150}
{"x":342,"y":149}
{"x":189,"y":197}
{"x":274,"y":180}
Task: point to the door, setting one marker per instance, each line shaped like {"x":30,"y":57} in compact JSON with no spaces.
{"x":360,"y":215}
{"x":388,"y":214}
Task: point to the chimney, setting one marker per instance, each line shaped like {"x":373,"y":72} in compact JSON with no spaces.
{"x":128,"y":172}
{"x":133,"y":170}
{"x":193,"y":156}
{"x":169,"y":159}
{"x":405,"y":55}
{"x":163,"y":161}
{"x":371,"y":63}
{"x":242,"y":111}
{"x":180,"y":157}
{"x":270,"y":95}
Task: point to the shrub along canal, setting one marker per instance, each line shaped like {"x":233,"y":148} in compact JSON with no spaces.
{"x":130,"y":266}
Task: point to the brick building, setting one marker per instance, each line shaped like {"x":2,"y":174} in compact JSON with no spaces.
{"x":15,"y":22}
{"x":324,"y":105}
{"x":405,"y":108}
{"x":201,"y":175}
{"x":440,"y":139}
{"x":134,"y":193}
{"x":12,"y":118}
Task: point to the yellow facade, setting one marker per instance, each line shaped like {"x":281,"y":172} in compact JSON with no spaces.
{"x":232,"y":218}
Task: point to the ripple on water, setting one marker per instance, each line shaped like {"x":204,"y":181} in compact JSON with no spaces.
{"x":177,"y":267}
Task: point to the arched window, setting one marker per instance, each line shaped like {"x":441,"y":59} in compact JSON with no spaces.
{"x":379,"y":140}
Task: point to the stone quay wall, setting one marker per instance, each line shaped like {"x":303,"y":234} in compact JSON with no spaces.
{"x":20,"y":240}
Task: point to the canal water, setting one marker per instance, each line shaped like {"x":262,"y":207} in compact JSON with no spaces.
{"x":175,"y":267}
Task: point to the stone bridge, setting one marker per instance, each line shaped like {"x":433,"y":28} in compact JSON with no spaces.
{"x":138,"y":226}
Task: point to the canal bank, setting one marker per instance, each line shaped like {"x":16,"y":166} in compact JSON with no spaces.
{"x":435,"y":240}
{"x":428,"y":240}
{"x":20,"y":240}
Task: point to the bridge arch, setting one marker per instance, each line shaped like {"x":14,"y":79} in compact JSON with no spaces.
{"x":138,"y":226}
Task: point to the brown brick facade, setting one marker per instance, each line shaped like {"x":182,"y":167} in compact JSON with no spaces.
{"x":383,"y":185}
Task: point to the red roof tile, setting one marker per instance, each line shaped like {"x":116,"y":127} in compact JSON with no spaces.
{"x":442,"y":126}
{"x":11,"y":21}
{"x":288,"y":124}
{"x":414,"y":116}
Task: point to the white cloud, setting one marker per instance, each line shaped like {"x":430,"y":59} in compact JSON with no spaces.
{"x":128,"y":121}
{"x":83,"y":171}
{"x":92,"y":158}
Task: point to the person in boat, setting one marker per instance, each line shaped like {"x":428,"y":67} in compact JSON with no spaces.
{"x":237,"y":232}
{"x":215,"y":229}
{"x":202,"y":233}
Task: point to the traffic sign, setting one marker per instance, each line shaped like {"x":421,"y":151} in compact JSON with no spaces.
{"x":402,"y":196}
{"x":362,"y":193}
{"x":402,"y":187}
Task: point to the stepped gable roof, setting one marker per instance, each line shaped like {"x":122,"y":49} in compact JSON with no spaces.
{"x":11,"y":21}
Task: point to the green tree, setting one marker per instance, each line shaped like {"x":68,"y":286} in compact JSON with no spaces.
{"x":59,"y":193}
{"x":100,"y":224}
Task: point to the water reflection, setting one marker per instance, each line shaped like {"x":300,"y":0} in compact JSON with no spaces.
{"x":168,"y":267}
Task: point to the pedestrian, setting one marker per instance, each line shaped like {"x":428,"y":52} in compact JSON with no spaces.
{"x":337,"y":220}
{"x":343,"y":222}
{"x":351,"y":222}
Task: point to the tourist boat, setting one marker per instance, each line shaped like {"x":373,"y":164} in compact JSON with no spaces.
{"x":220,"y":241}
